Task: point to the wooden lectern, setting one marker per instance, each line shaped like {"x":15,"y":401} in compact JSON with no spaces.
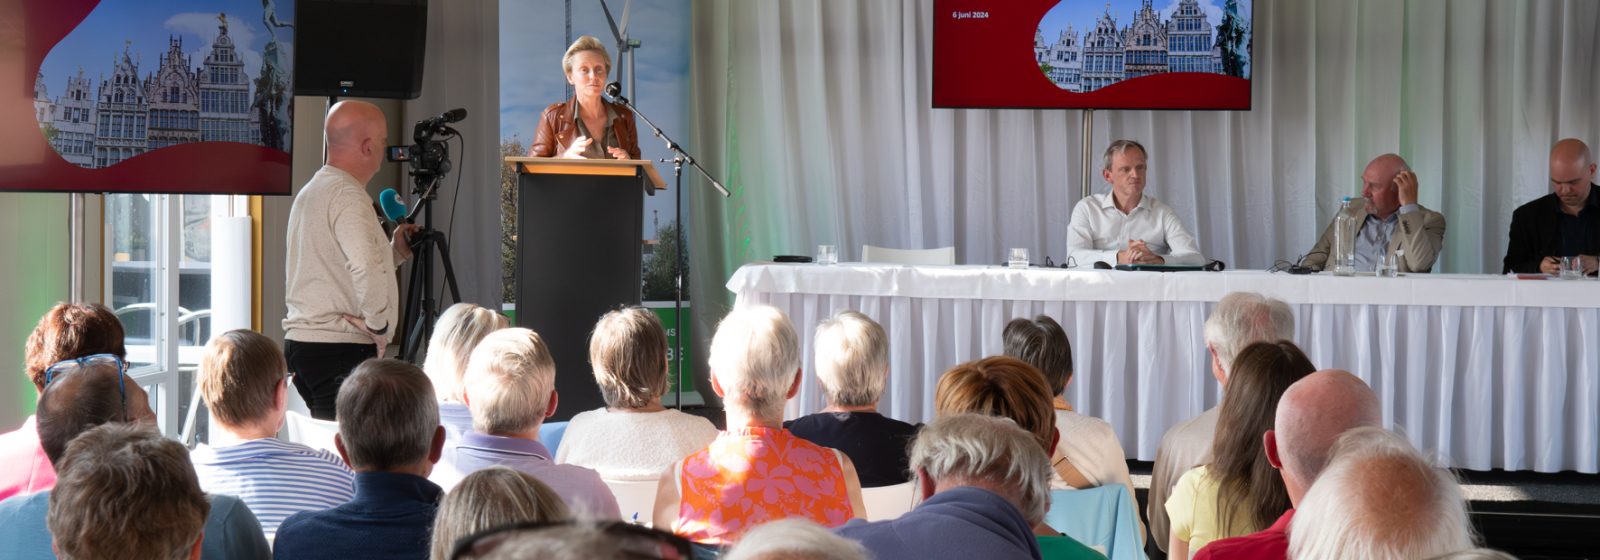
{"x":580,"y":240}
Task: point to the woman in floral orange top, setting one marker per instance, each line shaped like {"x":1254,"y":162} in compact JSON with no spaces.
{"x":756,"y":471}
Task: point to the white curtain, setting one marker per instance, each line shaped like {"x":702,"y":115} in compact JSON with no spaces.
{"x":461,"y":69}
{"x":818,"y":116}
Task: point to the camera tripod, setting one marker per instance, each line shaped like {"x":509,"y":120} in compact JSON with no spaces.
{"x":421,"y":309}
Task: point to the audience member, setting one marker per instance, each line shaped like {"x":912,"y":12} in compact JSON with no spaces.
{"x":1087,"y":443}
{"x":574,"y":540}
{"x":1475,"y":554}
{"x":1009,"y":388}
{"x":1239,"y":319}
{"x":852,"y":360}
{"x":457,"y":332}
{"x":1380,"y":499}
{"x":245,"y":382}
{"x":127,"y":492}
{"x":1564,"y":223}
{"x":983,"y":483}
{"x":493,"y":497}
{"x":510,"y":388}
{"x":633,"y":437}
{"x":794,"y":539}
{"x":1390,"y":222}
{"x":756,"y":471}
{"x":389,"y":433}
{"x":66,"y":331}
{"x":81,"y":394}
{"x":1238,"y":492}
{"x":1311,"y":416}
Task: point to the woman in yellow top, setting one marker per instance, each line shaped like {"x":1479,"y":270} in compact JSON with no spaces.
{"x":1238,"y":492}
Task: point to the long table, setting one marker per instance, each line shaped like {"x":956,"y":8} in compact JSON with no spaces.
{"x":1485,"y":372}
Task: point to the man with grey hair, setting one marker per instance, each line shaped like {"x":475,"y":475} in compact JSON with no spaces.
{"x":852,"y":360}
{"x":1391,"y":222}
{"x":390,"y":435}
{"x":1239,"y":319}
{"x":1311,"y":416}
{"x":983,"y":482}
{"x":510,"y":388}
{"x":1127,"y":226}
{"x":1380,"y":498}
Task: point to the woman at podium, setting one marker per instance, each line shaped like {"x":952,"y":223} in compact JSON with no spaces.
{"x":586,"y":126}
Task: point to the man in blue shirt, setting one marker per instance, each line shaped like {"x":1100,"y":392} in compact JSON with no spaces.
{"x":389,"y":432}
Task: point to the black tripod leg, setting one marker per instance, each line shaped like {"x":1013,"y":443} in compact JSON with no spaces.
{"x":408,"y":347}
{"x":449,"y":270}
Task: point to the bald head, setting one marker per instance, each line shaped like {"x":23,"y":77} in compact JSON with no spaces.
{"x":1312,"y":415}
{"x":1572,"y":170}
{"x":357,"y":134}
{"x":1378,"y":186}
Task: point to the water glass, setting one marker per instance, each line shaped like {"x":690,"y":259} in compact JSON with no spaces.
{"x":827,"y":254}
{"x":1571,"y":268}
{"x":1017,"y":258}
{"x":1388,"y":265}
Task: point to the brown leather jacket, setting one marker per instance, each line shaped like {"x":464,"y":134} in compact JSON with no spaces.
{"x":557,"y":130}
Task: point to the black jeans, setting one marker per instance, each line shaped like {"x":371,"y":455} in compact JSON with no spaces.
{"x":320,"y":368}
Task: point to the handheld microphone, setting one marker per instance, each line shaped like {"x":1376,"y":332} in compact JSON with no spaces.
{"x":393,"y":207}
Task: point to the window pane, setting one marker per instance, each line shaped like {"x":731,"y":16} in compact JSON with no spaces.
{"x":194,"y":273}
{"x":133,"y":238}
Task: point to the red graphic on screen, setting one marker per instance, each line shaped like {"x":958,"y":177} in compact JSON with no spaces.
{"x":1009,"y":55}
{"x":28,"y":161}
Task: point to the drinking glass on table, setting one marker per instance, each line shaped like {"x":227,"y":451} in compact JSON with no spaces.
{"x":1571,"y":268}
{"x":1017,"y":258}
{"x":827,"y":254}
{"x":1389,"y":265}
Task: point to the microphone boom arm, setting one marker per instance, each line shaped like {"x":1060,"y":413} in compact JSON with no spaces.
{"x":671,"y":144}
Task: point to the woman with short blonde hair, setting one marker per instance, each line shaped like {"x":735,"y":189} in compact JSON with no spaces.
{"x":633,"y":437}
{"x":489,"y":498}
{"x":586,"y":126}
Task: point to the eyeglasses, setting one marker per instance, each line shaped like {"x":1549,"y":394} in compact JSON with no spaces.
{"x":64,"y":367}
{"x":634,"y":541}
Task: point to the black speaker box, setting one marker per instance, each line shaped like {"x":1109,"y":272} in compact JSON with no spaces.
{"x":360,"y":48}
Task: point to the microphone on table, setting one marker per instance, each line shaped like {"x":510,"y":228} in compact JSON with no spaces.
{"x":393,"y":207}
{"x":1299,"y":269}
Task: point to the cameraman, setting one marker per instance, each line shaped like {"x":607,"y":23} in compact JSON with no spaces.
{"x":341,"y":291}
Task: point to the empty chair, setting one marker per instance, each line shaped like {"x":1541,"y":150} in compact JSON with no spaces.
{"x":635,"y":498}
{"x":1103,"y":518}
{"x":939,"y":256}
{"x":310,"y":432}
{"x":888,"y":502}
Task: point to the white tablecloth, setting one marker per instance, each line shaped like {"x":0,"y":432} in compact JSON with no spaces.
{"x":1484,"y":371}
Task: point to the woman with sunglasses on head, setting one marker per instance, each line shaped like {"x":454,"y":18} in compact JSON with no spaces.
{"x":65,"y":332}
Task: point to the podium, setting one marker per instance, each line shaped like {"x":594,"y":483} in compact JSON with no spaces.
{"x":580,"y":241}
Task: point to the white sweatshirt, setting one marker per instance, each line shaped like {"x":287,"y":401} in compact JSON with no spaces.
{"x":338,"y":263}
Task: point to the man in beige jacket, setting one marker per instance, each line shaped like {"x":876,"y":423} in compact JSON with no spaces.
{"x":340,"y":287}
{"x":1391,"y":222}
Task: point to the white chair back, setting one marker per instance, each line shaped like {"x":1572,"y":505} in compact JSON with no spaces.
{"x":635,"y":497}
{"x":939,"y":256}
{"x":310,"y":432}
{"x":888,"y":502}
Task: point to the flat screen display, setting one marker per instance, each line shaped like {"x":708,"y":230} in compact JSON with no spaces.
{"x":1078,"y":54}
{"x":170,"y":96}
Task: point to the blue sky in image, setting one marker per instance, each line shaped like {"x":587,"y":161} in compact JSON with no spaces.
{"x":1084,"y":14}
{"x":533,"y":38}
{"x":97,"y":43}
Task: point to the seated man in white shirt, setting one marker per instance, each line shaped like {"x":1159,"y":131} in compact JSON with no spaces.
{"x":1391,"y":222}
{"x":1126,"y":226}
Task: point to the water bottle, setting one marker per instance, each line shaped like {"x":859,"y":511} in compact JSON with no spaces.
{"x":1345,"y":228}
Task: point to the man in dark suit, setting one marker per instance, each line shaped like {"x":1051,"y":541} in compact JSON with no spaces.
{"x":1564,"y":223}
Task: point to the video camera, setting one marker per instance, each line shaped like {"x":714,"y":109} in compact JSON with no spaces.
{"x":429,"y":156}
